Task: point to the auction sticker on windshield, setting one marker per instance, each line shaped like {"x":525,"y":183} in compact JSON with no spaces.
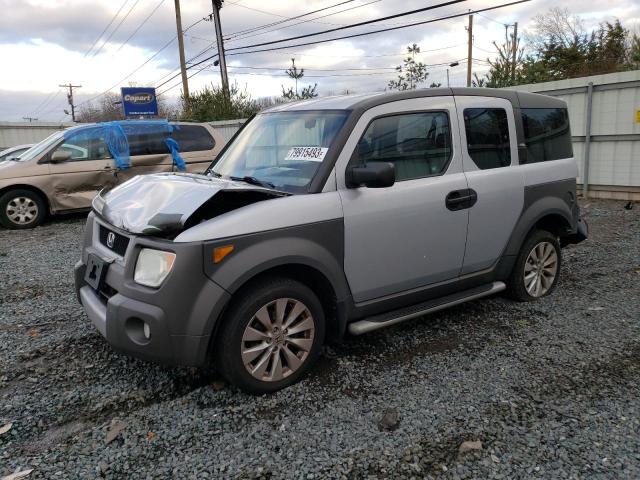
{"x":311,"y":154}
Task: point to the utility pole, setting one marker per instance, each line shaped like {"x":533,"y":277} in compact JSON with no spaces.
{"x":217,"y":5}
{"x":469,"y":49}
{"x":70,"y":98}
{"x":515,"y":53}
{"x":183,"y":68}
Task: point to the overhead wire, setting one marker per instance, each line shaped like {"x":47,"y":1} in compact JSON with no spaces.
{"x":288,"y":19}
{"x":140,"y":66}
{"x":106,"y":28}
{"x":116,"y":29}
{"x":241,"y":50}
{"x":353,"y":25}
{"x":233,"y":52}
{"x":140,"y":26}
{"x":242,"y":37}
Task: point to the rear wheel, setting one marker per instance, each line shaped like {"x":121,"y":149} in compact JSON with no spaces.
{"x":21,"y":208}
{"x":537,"y":267}
{"x":271,"y":336}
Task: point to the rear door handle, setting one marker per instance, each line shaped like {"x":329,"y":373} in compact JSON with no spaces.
{"x":461,"y":199}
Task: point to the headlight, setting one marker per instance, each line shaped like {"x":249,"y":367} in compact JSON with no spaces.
{"x":153,"y":266}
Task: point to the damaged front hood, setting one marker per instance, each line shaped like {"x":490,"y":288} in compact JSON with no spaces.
{"x":166,"y":203}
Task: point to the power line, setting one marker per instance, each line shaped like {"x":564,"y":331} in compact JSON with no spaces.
{"x":140,"y":26}
{"x":116,"y":29}
{"x":275,"y":14}
{"x":236,"y":39}
{"x":249,"y":30}
{"x":346,"y":26}
{"x":130,"y":74}
{"x":492,"y":20}
{"x":448,"y":17}
{"x":306,"y":76}
{"x":106,"y":28}
{"x":46,"y":101}
{"x":353,"y":25}
{"x":316,"y":69}
{"x":140,"y":66}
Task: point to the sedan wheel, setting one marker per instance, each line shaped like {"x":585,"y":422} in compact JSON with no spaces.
{"x":278,"y":339}
{"x":21,"y":210}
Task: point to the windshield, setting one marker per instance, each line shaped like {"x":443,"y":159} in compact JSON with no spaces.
{"x":281,"y":149}
{"x":38,"y":148}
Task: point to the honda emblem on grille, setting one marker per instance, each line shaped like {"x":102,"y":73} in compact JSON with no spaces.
{"x":111,"y":239}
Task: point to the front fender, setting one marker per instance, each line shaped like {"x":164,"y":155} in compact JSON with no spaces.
{"x":317,"y":245}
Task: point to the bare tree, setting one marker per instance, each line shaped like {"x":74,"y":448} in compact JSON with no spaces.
{"x":556,"y":27}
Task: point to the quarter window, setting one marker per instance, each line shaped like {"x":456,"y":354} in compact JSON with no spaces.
{"x":418,"y":144}
{"x":546,"y":134}
{"x":487,"y":132}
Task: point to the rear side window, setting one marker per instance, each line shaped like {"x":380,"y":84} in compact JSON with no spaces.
{"x":190,"y":138}
{"x":152,"y":143}
{"x":546,"y":134}
{"x":193,"y":138}
{"x":418,"y":144}
{"x":487,"y":137}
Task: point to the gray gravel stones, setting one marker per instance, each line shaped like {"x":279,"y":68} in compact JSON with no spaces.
{"x":549,"y":388}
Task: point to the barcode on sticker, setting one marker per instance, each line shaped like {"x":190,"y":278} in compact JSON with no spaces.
{"x":312,"y":154}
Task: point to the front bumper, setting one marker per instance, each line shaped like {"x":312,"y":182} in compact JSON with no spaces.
{"x":179,"y":316}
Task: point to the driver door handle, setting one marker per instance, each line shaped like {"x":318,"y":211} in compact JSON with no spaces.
{"x":461,"y":199}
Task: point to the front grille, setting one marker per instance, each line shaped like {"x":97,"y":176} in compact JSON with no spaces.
{"x":120,"y":242}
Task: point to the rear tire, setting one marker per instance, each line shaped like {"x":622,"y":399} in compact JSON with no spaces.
{"x":537,"y":268}
{"x":20,"y":209}
{"x":270,"y":336}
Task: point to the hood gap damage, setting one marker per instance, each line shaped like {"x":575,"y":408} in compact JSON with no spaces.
{"x":165,"y":205}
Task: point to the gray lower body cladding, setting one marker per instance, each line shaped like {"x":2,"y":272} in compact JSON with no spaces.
{"x":180,"y":315}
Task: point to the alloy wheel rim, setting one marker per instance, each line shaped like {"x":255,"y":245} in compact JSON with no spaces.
{"x":540,"y":269}
{"x":21,"y":210}
{"x":278,"y":339}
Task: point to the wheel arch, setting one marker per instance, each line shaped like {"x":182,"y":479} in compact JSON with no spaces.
{"x":314,"y":263}
{"x":549,"y":213}
{"x":32,"y":188}
{"x":309,"y":276}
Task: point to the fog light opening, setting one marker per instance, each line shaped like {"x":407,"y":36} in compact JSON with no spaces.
{"x":146,"y":330}
{"x":138,"y":330}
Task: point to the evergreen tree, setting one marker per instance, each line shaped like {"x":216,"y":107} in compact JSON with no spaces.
{"x":411,"y":73}
{"x":296,"y":74}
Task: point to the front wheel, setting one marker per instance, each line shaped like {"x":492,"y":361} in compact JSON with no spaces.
{"x":271,"y":336}
{"x":21,"y":208}
{"x":537,"y":267}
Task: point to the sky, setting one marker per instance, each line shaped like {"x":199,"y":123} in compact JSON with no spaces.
{"x":107,"y":44}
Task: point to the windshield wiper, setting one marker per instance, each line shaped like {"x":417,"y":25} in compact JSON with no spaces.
{"x":254,"y":181}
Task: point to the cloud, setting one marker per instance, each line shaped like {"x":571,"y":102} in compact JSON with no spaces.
{"x":45,"y":41}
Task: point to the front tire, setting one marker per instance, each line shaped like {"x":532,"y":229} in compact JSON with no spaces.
{"x":537,"y":269}
{"x":20,"y":209}
{"x":271,"y":336}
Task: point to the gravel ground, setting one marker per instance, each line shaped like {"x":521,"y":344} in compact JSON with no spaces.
{"x":550,"y":389}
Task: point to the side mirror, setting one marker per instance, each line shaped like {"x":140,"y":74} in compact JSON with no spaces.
{"x":60,"y":156}
{"x":371,"y":175}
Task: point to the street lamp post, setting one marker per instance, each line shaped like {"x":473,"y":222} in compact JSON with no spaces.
{"x":454,"y":64}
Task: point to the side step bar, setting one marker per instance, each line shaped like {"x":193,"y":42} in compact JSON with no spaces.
{"x":396,"y":316}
